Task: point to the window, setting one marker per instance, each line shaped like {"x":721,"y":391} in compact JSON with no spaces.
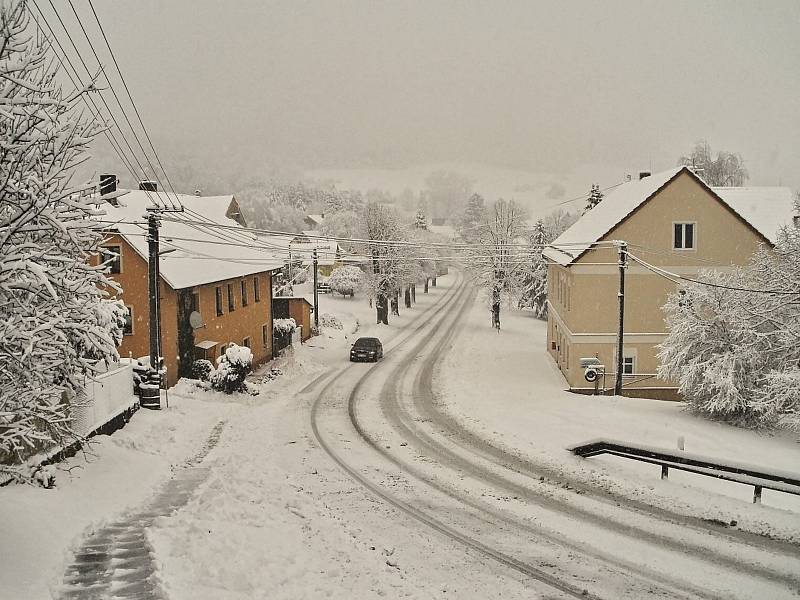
{"x":684,"y":236}
{"x":112,"y":256}
{"x":246,"y":342}
{"x":195,"y":303}
{"x":231,"y":301}
{"x":256,"y":290}
{"x":128,"y":327}
{"x":628,"y":365}
{"x":265,"y":334}
{"x":244,"y":292}
{"x":222,"y":350}
{"x":219,"y":301}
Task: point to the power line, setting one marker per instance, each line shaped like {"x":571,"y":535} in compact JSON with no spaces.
{"x":130,"y":97}
{"x":116,"y":96}
{"x":673,"y":276}
{"x":91,"y":78}
{"x":585,"y":196}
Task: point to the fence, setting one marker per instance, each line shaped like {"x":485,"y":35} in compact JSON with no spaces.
{"x":107,"y":396}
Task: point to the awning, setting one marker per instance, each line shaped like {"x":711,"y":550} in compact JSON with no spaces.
{"x":205,"y":345}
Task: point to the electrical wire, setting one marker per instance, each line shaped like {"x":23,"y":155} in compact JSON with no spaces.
{"x":116,"y":97}
{"x":133,"y":104}
{"x":673,"y":276}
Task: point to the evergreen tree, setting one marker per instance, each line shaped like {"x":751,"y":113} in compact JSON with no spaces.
{"x":595,"y":197}
{"x":56,"y":321}
{"x":420,"y":220}
{"x":473,"y":217}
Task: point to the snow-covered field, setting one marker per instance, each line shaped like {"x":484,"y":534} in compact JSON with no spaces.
{"x":276,"y":518}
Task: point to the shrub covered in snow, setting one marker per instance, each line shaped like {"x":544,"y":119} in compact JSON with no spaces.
{"x":284,"y":326}
{"x":346,"y":280}
{"x":201,"y":369}
{"x":232,"y":369}
{"x":330,"y":321}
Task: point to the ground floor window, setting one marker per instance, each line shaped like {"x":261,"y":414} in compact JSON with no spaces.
{"x":246,"y":342}
{"x":628,"y":365}
{"x":265,"y":334}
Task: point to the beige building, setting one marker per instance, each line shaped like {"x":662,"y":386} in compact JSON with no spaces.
{"x":670,"y":220}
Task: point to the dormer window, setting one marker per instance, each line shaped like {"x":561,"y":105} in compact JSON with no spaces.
{"x":684,"y":236}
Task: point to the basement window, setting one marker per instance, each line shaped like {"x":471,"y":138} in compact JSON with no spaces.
{"x":684,"y":236}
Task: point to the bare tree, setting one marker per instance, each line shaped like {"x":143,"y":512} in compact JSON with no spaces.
{"x":727,"y":169}
{"x":499,"y":259}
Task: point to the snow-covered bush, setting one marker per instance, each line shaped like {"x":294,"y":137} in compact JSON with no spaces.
{"x":300,"y":275}
{"x":232,"y":369}
{"x":201,"y":369}
{"x":284,"y":326}
{"x":346,"y":280}
{"x":330,"y":321}
{"x":57,"y":316}
{"x":735,"y":350}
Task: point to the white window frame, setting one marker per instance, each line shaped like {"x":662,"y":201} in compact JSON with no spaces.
{"x":632,"y":360}
{"x":683,"y":247}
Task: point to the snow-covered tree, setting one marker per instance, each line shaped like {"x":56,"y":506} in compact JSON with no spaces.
{"x":346,"y":280}
{"x":533,"y":294}
{"x":57,"y":321}
{"x":233,"y":367}
{"x":727,"y":169}
{"x":499,"y":260}
{"x":381,"y":225}
{"x":595,"y":197}
{"x":736,"y":352}
{"x":420,"y":220}
{"x":472,"y":219}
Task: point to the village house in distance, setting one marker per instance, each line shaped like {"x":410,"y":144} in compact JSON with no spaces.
{"x":671,"y":220}
{"x":215,"y":284}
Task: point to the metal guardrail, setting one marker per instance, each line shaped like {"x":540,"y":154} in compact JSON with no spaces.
{"x":758,"y":477}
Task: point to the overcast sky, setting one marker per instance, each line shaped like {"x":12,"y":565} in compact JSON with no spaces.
{"x":530,"y":85}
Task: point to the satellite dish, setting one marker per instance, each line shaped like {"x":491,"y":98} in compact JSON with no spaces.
{"x":196,"y":320}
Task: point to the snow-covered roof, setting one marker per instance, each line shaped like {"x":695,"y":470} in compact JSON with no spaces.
{"x":602,"y":218}
{"x":318,"y":219}
{"x":767,"y":209}
{"x":201,"y":254}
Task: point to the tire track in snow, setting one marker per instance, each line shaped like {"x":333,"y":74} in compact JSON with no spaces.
{"x":419,"y":515}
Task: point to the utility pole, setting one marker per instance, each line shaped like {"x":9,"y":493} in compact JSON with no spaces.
{"x":289,"y":282}
{"x":316,"y":293}
{"x":622,"y":248}
{"x":151,"y":396}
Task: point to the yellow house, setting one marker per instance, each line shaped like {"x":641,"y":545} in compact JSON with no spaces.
{"x":670,"y":220}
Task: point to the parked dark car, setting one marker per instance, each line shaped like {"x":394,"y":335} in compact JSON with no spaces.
{"x":367,"y":349}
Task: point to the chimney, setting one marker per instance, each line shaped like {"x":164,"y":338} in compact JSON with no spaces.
{"x":643,"y":174}
{"x":148,"y":186}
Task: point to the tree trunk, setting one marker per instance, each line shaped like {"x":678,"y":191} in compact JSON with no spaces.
{"x":382,"y":309}
{"x":433,"y":281}
{"x":407,"y":297}
{"x":427,"y":279}
{"x":414,"y":293}
{"x":395,"y":305}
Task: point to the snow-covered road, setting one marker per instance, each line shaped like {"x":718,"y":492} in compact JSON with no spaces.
{"x":438,"y":472}
{"x":569,"y":538}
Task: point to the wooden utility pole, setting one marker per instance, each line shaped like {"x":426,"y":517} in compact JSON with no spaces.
{"x":153,"y":223}
{"x":622,"y":248}
{"x":316,"y":293}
